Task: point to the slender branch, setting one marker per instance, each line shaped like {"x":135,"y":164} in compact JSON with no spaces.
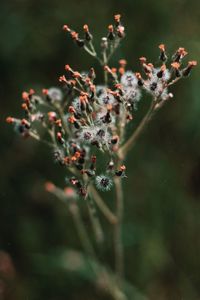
{"x":64,"y":123}
{"x":80,"y":226}
{"x":115,"y":46}
{"x":81,"y":230}
{"x":105,"y":61}
{"x":94,"y":54}
{"x":174,"y":81}
{"x":118,"y":245}
{"x":122,"y":152}
{"x":102,"y":206}
{"x":92,"y":47}
{"x":131,"y":141}
{"x":37,"y":138}
{"x":98,"y":231}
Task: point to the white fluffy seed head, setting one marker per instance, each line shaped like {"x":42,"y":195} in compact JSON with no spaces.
{"x":100,"y":89}
{"x":129,"y":79}
{"x":103,"y":183}
{"x":99,"y":134}
{"x":106,"y":98}
{"x":132,"y":95}
{"x":55,"y":94}
{"x":76,"y":104}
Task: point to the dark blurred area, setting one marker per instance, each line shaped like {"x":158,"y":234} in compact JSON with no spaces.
{"x":162,"y":193}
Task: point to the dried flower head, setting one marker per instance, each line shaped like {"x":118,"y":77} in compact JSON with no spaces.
{"x":103,"y":183}
{"x":83,"y":118}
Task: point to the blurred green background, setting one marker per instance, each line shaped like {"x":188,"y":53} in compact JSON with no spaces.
{"x":161,"y":230}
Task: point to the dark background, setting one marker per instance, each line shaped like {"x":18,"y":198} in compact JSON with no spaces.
{"x":162,"y":193}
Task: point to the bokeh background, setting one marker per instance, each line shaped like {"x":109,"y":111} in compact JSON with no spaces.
{"x":161,"y":230}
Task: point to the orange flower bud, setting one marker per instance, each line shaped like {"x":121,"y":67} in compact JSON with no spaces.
{"x":49,"y":187}
{"x":66,"y":28}
{"x":10,"y":120}
{"x":122,"y":62}
{"x":25,"y":96}
{"x":110,"y":28}
{"x":117,"y":18}
{"x":63,"y":79}
{"x":162,"y":47}
{"x":86,"y":28}
{"x":69,"y":192}
{"x":122,"y":168}
{"x":44,"y":91}
{"x":143,"y":60}
{"x":192,"y":63}
{"x":121,"y":71}
{"x":175,"y":65}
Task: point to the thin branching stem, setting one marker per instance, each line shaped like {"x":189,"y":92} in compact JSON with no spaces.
{"x":81,"y":230}
{"x":92,"y":53}
{"x":119,"y":196}
{"x":118,"y":244}
{"x":108,"y":214}
{"x":37,"y":138}
{"x":64,"y":123}
{"x":97,"y":228}
{"x":135,"y":135}
{"x":105,"y":61}
{"x":114,"y":47}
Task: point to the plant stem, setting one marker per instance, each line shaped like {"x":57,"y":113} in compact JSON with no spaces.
{"x":37,"y":138}
{"x":131,"y":141}
{"x":105,"y":61}
{"x":80,"y":226}
{"x":92,"y":53}
{"x":102,"y":206}
{"x":81,"y":230}
{"x":64,"y":123}
{"x":98,"y":231}
{"x":115,"y":46}
{"x":118,"y":245}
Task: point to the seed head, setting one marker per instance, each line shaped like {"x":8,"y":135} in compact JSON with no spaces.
{"x":103,"y":183}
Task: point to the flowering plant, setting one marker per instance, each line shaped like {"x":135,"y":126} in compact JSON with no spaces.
{"x":83,"y":119}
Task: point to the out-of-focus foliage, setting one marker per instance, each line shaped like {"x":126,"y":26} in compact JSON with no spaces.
{"x":162,"y":192}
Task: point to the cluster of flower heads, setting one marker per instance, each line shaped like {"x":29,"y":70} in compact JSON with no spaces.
{"x":83,"y":118}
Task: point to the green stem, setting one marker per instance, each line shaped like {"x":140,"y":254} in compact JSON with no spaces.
{"x":102,"y":206}
{"x":105,"y":61}
{"x":37,"y":138}
{"x":81,"y":230}
{"x":132,"y":140}
{"x":98,"y":231}
{"x":118,"y":245}
{"x":64,"y":123}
